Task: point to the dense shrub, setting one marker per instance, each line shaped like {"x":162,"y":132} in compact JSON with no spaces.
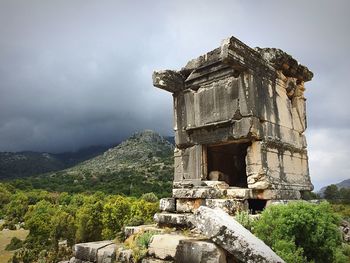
{"x":38,"y":220}
{"x":115,"y":214}
{"x":300,"y":231}
{"x":120,"y":211}
{"x":139,"y":244}
{"x":141,"y":212}
{"x":150,"y":197}
{"x":244,"y":218}
{"x":89,"y":222}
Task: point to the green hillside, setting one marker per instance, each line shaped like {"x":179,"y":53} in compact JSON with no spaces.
{"x":142,"y":163}
{"x":24,"y":164}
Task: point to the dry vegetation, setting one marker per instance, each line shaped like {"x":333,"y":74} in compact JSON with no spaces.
{"x":5,"y":238}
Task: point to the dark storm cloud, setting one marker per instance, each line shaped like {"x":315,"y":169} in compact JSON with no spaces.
{"x":76,"y":73}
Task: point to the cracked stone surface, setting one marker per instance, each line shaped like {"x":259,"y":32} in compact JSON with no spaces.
{"x":226,"y":232}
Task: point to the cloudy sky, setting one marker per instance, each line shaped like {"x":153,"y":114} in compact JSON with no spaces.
{"x":78,"y":73}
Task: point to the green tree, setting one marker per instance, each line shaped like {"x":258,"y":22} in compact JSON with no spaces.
{"x":38,"y":220}
{"x":5,"y":196}
{"x":89,"y":222}
{"x":63,"y":227}
{"x":142,"y":212}
{"x":344,"y":195}
{"x":331,"y":193}
{"x":116,"y":212}
{"x":17,"y":207}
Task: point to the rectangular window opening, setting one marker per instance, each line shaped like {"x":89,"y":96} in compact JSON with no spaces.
{"x":227,"y":162}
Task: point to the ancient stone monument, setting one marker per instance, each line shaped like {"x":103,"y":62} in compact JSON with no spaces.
{"x":239,"y":132}
{"x":239,"y":127}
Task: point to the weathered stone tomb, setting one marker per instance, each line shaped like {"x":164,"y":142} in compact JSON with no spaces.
{"x":239,"y":127}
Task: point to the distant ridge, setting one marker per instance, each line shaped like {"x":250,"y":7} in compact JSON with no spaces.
{"x":137,"y":149}
{"x":342,"y":184}
{"x":27,"y":163}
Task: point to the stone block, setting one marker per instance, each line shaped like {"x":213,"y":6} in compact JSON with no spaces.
{"x":168,"y":80}
{"x":187,"y":183}
{"x":164,"y":246}
{"x":124,"y":255}
{"x":187,"y":163}
{"x":188,"y":205}
{"x":99,"y":251}
{"x":107,"y":254}
{"x":230,"y":206}
{"x":226,"y":232}
{"x":239,"y":193}
{"x":197,"y":251}
{"x":173,"y":220}
{"x":216,"y":184}
{"x":198,"y":193}
{"x":276,"y":194}
{"x":167,"y":204}
{"x":216,"y":101}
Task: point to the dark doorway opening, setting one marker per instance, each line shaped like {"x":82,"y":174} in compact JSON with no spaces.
{"x":256,"y":205}
{"x":229,"y":161}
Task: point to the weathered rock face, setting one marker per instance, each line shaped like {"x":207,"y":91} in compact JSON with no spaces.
{"x":164,"y":246}
{"x":233,"y":237}
{"x":240,"y":115}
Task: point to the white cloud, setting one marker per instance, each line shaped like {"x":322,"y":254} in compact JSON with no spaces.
{"x":329,"y":154}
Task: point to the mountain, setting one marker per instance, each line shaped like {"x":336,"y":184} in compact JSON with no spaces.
{"x":24,"y":164}
{"x":138,"y":152}
{"x":142,"y":163}
{"x":342,"y":184}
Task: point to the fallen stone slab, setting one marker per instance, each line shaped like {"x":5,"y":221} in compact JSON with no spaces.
{"x":199,"y":251}
{"x":100,"y":251}
{"x":164,"y":246}
{"x":226,"y":232}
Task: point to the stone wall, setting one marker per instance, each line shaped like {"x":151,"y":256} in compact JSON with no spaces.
{"x":236,"y":94}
